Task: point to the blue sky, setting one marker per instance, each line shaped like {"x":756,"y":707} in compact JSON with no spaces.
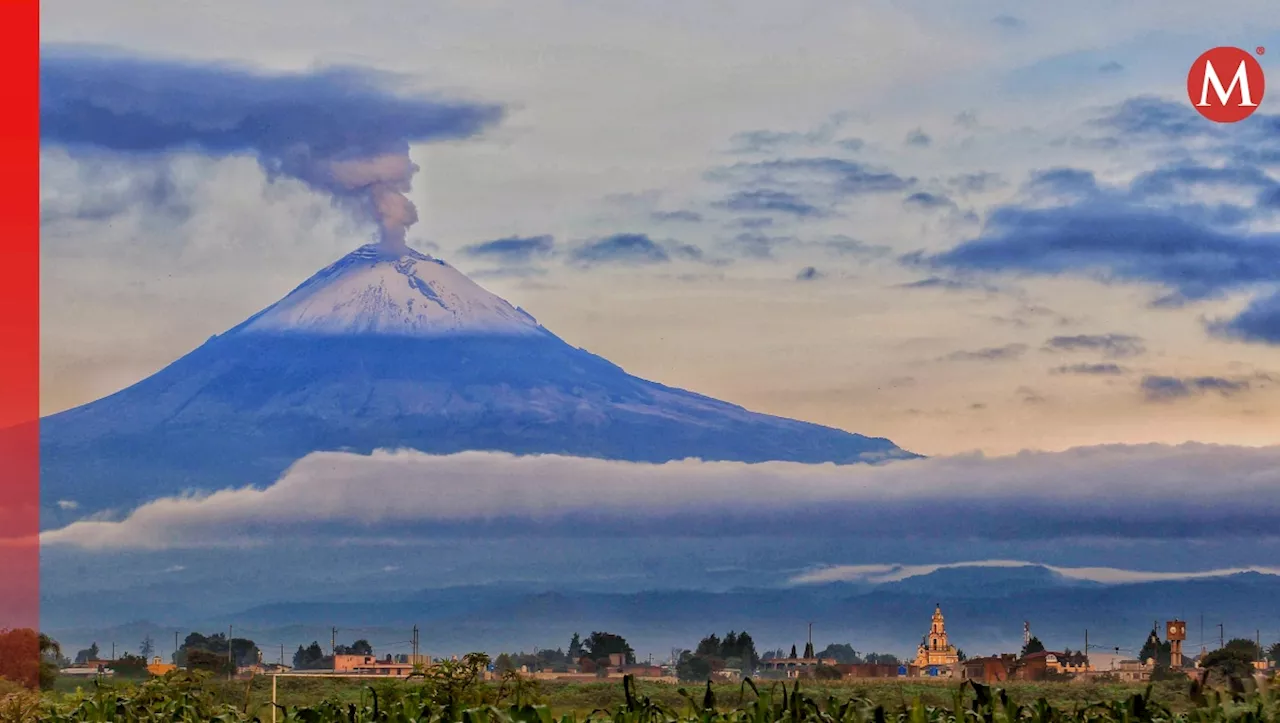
{"x":874,"y":216}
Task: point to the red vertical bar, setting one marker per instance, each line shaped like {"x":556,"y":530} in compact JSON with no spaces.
{"x":19,"y":340}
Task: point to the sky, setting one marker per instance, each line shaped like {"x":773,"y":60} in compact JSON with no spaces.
{"x":985,"y":226}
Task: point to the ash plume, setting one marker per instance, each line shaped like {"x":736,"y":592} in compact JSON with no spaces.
{"x":343,"y":131}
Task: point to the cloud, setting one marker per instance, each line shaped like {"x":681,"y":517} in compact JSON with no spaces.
{"x":1122,"y":243}
{"x":1138,"y":492}
{"x":938,"y":282}
{"x":682,"y":216}
{"x":1112,"y":346}
{"x":1157,"y":388}
{"x":1259,"y":322}
{"x":976,"y":182}
{"x":1008,"y":22}
{"x":879,"y":574}
{"x":766,"y":200}
{"x":757,"y":245}
{"x":1111,"y":67}
{"x":1092,"y":369}
{"x":513,"y":249}
{"x":1064,"y":181}
{"x":342,"y":131}
{"x":817,"y":181}
{"x":925,"y":200}
{"x":997,"y":353}
{"x":809,"y":273}
{"x":918,"y":138}
{"x":632,"y":248}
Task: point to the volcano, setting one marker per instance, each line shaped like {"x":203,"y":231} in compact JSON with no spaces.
{"x":392,"y":350}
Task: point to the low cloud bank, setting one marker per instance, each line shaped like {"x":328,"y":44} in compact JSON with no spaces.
{"x":1126,"y":492}
{"x":1112,"y":575}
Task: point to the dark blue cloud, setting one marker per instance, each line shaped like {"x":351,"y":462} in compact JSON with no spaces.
{"x":938,"y":282}
{"x":1259,"y":322}
{"x":754,"y":222}
{"x":684,"y":216}
{"x":1114,"y":346}
{"x":976,"y":182}
{"x":926,"y":200}
{"x":997,"y":353}
{"x":829,"y":179}
{"x":768,"y":200}
{"x":757,"y":245}
{"x":1171,"y":179}
{"x":513,"y":249}
{"x":632,"y":248}
{"x":809,"y":273}
{"x":918,"y":138}
{"x":345,"y":131}
{"x":1111,"y":67}
{"x":1008,"y":22}
{"x":1092,"y":369}
{"x":1064,"y":181}
{"x":1164,"y":388}
{"x":1118,"y":242}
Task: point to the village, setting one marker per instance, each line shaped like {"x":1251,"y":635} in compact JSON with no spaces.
{"x":936,"y":658}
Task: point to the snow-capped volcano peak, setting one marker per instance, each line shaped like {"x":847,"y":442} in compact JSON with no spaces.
{"x":373,"y":290}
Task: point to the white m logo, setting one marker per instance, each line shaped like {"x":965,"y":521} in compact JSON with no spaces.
{"x":1241,"y":78}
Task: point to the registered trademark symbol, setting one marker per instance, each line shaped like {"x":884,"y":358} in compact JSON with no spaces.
{"x":1262,"y":50}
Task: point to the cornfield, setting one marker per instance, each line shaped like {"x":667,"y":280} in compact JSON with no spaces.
{"x":182,"y":697}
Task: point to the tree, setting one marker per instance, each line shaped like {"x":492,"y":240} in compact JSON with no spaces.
{"x":882,"y":659}
{"x":826,"y":672}
{"x":599,"y":646}
{"x":1246,"y":646}
{"x":1273,"y":653}
{"x":709,"y":647}
{"x":1155,"y":650}
{"x":1033,"y":646}
{"x":359,"y":647}
{"x":503,"y":664}
{"x":147,"y":647}
{"x":311,"y":657}
{"x":130,"y":666}
{"x":575,"y":647}
{"x":793,"y":652}
{"x":197,"y":659}
{"x":89,"y":653}
{"x":1229,"y":662}
{"x":22,"y":653}
{"x":693,"y":668}
{"x":842,"y":653}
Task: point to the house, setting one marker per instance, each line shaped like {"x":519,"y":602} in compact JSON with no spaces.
{"x":158,"y":667}
{"x":991,"y":669}
{"x":370,"y":665}
{"x":1134,"y":671}
{"x":794,"y":667}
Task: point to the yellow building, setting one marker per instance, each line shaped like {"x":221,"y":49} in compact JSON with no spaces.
{"x":158,"y":667}
{"x":935,"y":650}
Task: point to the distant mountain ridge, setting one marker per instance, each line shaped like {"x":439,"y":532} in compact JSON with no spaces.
{"x":392,"y":350}
{"x":884,"y":618}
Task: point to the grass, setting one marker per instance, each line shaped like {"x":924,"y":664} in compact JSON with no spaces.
{"x":843,"y":701}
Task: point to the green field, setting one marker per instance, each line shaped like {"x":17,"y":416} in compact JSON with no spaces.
{"x":186,"y":697}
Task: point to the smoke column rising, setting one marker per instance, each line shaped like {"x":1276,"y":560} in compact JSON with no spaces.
{"x":343,"y":131}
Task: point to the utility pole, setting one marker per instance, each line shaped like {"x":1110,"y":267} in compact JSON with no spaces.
{"x":1221,"y":637}
{"x":811,"y":639}
{"x":281,"y":655}
{"x":1258,"y":642}
{"x":1086,"y":649}
{"x":175,"y":647}
{"x":415,"y":645}
{"x":113,"y":651}
{"x":333,"y":642}
{"x":231,"y":655}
